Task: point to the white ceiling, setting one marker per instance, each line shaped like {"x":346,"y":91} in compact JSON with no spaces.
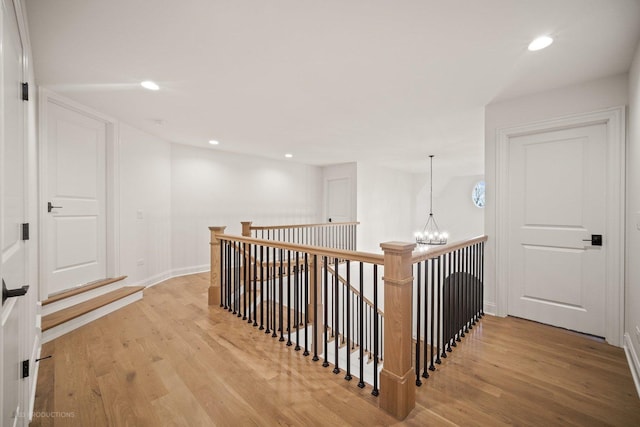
{"x":329,"y":81}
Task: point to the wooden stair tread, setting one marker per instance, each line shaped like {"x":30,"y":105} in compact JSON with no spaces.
{"x":59,"y":317}
{"x":84,"y":288}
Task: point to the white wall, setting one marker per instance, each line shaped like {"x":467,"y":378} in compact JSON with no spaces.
{"x":212,"y":187}
{"x":632,"y":274}
{"x":145,"y":206}
{"x":385,"y":205}
{"x":580,"y":98}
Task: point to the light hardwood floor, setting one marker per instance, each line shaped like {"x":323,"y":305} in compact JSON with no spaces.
{"x":170,"y":360}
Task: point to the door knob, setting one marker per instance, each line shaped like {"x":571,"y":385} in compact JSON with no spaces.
{"x":50,"y":207}
{"x":10,"y":293}
{"x":596,"y":240}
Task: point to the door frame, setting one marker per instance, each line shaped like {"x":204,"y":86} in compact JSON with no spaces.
{"x":112,"y":181}
{"x":614,"y":120}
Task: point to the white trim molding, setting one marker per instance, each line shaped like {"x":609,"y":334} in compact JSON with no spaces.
{"x":634,"y":362}
{"x":614,"y":119}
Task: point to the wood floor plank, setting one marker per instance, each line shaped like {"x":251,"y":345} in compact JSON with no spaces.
{"x":170,"y":360}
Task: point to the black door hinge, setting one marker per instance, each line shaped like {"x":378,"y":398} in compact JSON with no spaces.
{"x":25,"y":91}
{"x":25,"y":231}
{"x":25,"y":368}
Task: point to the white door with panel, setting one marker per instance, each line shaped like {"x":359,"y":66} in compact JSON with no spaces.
{"x":75,"y":197}
{"x":557,"y":201}
{"x":339,"y":200}
{"x":13,"y":187}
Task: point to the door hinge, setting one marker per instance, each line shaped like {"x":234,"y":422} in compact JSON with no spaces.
{"x":25,"y":231}
{"x":25,"y":368}
{"x":25,"y":91}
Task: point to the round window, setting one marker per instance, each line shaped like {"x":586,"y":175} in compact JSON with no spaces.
{"x":478,"y":194}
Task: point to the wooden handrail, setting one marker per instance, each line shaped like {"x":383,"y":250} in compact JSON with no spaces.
{"x":313,"y":250}
{"x":419,"y":256}
{"x":284,"y":227}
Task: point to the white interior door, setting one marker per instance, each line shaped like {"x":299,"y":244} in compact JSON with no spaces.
{"x":557,"y":201}
{"x":76,"y":198}
{"x":13,"y":267}
{"x":339,"y":200}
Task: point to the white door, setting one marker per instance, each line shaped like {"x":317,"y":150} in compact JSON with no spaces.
{"x":75,"y":198}
{"x":557,"y":201}
{"x":13,"y":188}
{"x":339,"y":200}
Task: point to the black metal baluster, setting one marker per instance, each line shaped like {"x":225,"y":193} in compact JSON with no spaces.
{"x":228,"y":273}
{"x":281,"y":297}
{"x":251,"y":286}
{"x":466,"y":304}
{"x":448,"y":302}
{"x":474,"y":294}
{"x":482,"y":279}
{"x":315,"y":308}
{"x":433,"y":294}
{"x":255,"y":285}
{"x":361,"y":326}
{"x":439,"y":307}
{"x":425,"y":361}
{"x":418,"y":321}
{"x":222,"y":265}
{"x":267,"y":300}
{"x":244,"y":280}
{"x":459,"y":298}
{"x":348,"y":322}
{"x":306,"y":304}
{"x":274,"y":303}
{"x":261,"y":288}
{"x":237,"y":279}
{"x":443,"y":301}
{"x":296,"y":291}
{"x":336,"y":319}
{"x":289,"y":343}
{"x":375,"y":390}
{"x":326,"y":309}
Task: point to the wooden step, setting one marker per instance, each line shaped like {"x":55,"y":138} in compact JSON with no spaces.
{"x":59,"y":317}
{"x":80,"y":289}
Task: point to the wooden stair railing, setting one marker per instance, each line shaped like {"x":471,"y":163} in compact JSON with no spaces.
{"x":309,"y":283}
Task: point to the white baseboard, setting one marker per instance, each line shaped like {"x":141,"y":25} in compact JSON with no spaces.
{"x":69,"y":326}
{"x":634,"y":362}
{"x":490,"y":308}
{"x":154,"y":280}
{"x":190,"y":270}
{"x":158,"y":278}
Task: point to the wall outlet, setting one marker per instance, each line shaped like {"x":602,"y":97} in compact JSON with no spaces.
{"x":141,"y":261}
{"x":139,"y":214}
{"x":638,"y":220}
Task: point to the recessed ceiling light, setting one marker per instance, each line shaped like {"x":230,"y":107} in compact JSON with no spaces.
{"x":540,"y":43}
{"x":213,"y":142}
{"x":288,"y":155}
{"x":148,"y":84}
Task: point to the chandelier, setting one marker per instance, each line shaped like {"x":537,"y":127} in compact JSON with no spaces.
{"x":431,"y":234}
